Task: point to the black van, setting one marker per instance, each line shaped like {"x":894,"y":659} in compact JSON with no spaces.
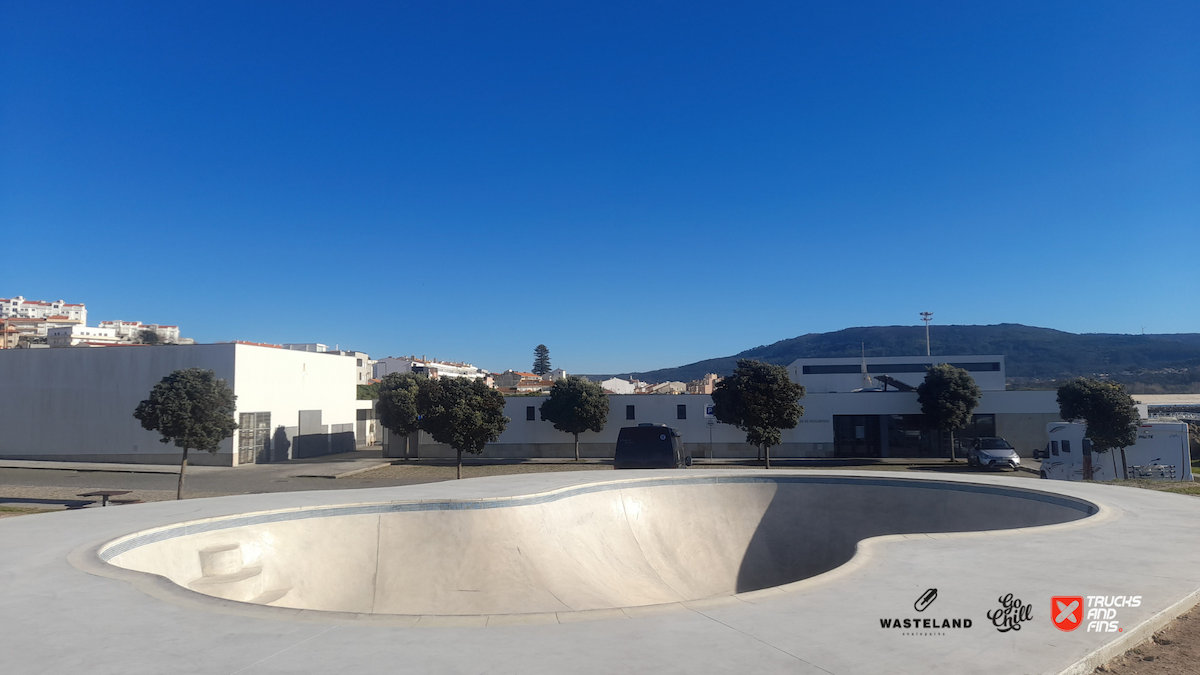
{"x":650,"y":446}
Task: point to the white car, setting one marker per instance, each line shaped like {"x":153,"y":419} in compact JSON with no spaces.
{"x":993,"y":453}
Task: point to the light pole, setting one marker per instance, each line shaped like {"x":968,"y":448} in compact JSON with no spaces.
{"x":927,"y":317}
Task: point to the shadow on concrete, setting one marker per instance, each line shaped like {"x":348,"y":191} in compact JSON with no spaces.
{"x":69,"y":503}
{"x":812,"y":526}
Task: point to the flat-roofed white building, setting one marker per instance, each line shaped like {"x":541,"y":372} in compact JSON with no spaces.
{"x":77,"y":404}
{"x":432,"y":368}
{"x":72,"y":336}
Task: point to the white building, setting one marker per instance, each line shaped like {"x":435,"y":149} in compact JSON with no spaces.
{"x":432,"y":368}
{"x":615,"y":385}
{"x":77,"y":404}
{"x":71,"y":336}
{"x":19,"y":307}
{"x":363,"y":362}
{"x":556,"y":374}
{"x":129,"y":331}
{"x":859,"y":424}
{"x":306,"y":347}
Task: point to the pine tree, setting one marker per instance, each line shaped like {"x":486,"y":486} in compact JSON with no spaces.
{"x":541,"y":360}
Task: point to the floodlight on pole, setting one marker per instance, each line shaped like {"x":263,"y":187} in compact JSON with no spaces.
{"x":927,"y":317}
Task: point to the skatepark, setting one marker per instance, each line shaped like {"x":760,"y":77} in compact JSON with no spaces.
{"x":665,"y":571}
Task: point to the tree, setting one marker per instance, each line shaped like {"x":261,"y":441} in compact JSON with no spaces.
{"x":397,"y":407}
{"x":541,"y":360}
{"x":148,"y":337}
{"x":1109,"y":412}
{"x":576,"y":405}
{"x":463,"y":413}
{"x":761,"y":400}
{"x":948,"y":396}
{"x":192,"y":408}
{"x":368,"y":392}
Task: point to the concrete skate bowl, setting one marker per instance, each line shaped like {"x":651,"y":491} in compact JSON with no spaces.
{"x":597,"y":546}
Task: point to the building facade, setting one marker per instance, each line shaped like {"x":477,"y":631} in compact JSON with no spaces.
{"x":77,"y":404}
{"x":827,"y":376}
{"x":21,"y":308}
{"x":844,"y":424}
{"x":73,"y":336}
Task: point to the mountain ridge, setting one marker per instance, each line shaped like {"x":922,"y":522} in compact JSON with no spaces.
{"x":1167,"y":362}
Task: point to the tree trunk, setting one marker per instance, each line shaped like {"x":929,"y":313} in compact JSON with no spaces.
{"x":407,"y":440}
{"x":760,"y":453}
{"x":576,"y":447}
{"x":1114,"y":460}
{"x":182,"y":467}
{"x":1124,"y":466}
{"x":952,"y":457}
{"x":459,"y":475}
{"x":417,"y":451}
{"x":767,"y":455}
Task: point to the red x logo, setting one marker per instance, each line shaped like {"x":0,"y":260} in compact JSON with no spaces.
{"x":1066,"y":611}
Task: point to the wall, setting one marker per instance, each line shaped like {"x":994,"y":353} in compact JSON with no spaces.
{"x":77,"y":404}
{"x":283,"y":382}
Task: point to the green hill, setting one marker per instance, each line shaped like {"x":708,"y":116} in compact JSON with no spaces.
{"x":1034,"y":357}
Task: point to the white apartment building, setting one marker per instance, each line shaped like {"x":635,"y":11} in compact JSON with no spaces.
{"x":128,"y":330}
{"x":71,"y":336}
{"x":20,"y":308}
{"x":432,"y":368}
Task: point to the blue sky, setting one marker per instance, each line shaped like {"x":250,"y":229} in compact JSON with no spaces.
{"x":636,"y":185}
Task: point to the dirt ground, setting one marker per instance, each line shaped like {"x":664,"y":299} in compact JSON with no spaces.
{"x":1174,"y":650}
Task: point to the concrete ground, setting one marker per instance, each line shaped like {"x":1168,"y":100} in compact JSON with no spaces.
{"x":59,"y":617}
{"x":56,"y":485}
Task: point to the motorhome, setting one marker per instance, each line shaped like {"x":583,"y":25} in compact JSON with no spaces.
{"x":1160,"y":453}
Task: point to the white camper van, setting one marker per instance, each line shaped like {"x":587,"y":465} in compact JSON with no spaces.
{"x":1161,"y":453}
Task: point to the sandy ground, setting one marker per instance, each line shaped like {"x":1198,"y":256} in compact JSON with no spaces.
{"x":1174,"y":650}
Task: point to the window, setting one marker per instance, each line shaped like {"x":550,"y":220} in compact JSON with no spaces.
{"x":1054,"y":448}
{"x":360,"y":363}
{"x":529,"y":413}
{"x":1066,"y":446}
{"x":629,"y":413}
{"x":681,"y":412}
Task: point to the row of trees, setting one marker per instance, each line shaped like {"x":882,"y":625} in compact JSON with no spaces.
{"x":467,"y":414}
{"x":463,"y":413}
